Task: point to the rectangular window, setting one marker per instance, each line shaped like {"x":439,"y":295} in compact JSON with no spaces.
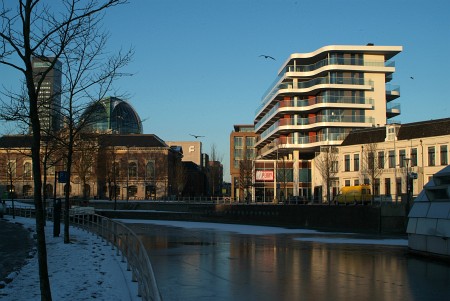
{"x":238,"y":142}
{"x":11,"y":169}
{"x":391,"y":159}
{"x":402,"y":156}
{"x":356,"y":182}
{"x":413,"y":157}
{"x":347,"y":182}
{"x":444,"y":155}
{"x":238,"y":154}
{"x":387,"y":186}
{"x":347,"y":162}
{"x":381,"y":160}
{"x":356,"y":162}
{"x":371,"y":159}
{"x":431,"y":156}
{"x":250,"y":142}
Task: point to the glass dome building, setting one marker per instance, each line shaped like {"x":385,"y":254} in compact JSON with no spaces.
{"x":113,"y":115}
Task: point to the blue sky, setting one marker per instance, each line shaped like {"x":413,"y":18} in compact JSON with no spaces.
{"x":197,"y":68}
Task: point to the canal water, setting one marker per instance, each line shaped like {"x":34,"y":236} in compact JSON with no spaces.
{"x":199,"y":261}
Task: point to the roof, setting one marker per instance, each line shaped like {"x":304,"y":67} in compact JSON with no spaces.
{"x":16,"y":141}
{"x":408,"y":131}
{"x":132,"y":140}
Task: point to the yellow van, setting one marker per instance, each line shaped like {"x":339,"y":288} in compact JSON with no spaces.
{"x":359,"y":194}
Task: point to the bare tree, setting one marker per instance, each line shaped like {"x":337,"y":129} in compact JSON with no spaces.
{"x":372,"y":165}
{"x":85,"y":155}
{"x":327,"y":164}
{"x":245,"y":177}
{"x":31,"y":29}
{"x":180,"y":177}
{"x":214,"y":168}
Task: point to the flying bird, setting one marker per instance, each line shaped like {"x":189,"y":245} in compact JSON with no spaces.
{"x":411,"y":77}
{"x":196,"y":136}
{"x":267,"y":57}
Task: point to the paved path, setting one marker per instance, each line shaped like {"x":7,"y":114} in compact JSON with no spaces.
{"x":15,"y":246}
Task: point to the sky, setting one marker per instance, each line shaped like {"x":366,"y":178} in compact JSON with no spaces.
{"x":197,"y":67}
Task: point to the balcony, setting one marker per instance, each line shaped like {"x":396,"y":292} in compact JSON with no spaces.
{"x":392,"y":110}
{"x":392,"y":92}
{"x":334,"y":82}
{"x":305,"y":105}
{"x":301,"y":143}
{"x":290,"y":124}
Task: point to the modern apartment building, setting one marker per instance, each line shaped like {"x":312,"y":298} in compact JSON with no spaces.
{"x":242,"y":142}
{"x":49,"y":96}
{"x":315,"y":101}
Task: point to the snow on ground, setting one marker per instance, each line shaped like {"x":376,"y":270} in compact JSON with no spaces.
{"x":85,"y":269}
{"x":313,"y":235}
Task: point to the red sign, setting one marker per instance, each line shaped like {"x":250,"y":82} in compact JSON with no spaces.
{"x":264,"y":175}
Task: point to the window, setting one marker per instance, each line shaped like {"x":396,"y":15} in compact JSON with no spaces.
{"x":27,"y":170}
{"x":249,"y":141}
{"x":334,"y":166}
{"x":347,"y":182}
{"x":356,"y":182}
{"x":238,"y":142}
{"x":381,"y":160}
{"x":413,"y":157}
{"x":391,"y":159}
{"x":431,"y":156}
{"x":356,"y":162}
{"x":11,"y":168}
{"x":150,"y":171}
{"x":402,"y":157}
{"x":387,"y":186}
{"x":132,"y":169}
{"x":347,"y":162}
{"x":132,"y":191}
{"x":371,"y":159}
{"x":444,"y":156}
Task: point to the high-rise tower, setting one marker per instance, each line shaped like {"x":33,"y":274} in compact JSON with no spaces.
{"x":49,"y":97}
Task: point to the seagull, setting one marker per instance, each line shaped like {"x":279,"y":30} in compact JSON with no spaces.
{"x":411,"y":77}
{"x":196,"y":136}
{"x":267,"y":57}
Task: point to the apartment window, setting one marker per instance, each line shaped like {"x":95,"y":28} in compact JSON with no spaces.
{"x":356,"y":182}
{"x":238,"y":142}
{"x":347,"y":162}
{"x":402,"y":156}
{"x":371,"y":159}
{"x":413,"y":157}
{"x":238,"y":154}
{"x":356,"y":162}
{"x":250,"y":142}
{"x":381,"y":160}
{"x":431,"y":156}
{"x":334,"y":166}
{"x":444,"y":156}
{"x":132,"y":169}
{"x":347,"y":182}
{"x":391,"y":159}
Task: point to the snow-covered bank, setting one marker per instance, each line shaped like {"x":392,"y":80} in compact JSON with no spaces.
{"x":85,"y":269}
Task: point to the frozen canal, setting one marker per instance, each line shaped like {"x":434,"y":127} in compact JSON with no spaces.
{"x":200,"y":261}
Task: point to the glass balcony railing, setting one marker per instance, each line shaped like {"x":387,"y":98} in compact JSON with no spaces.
{"x":338,"y":61}
{"x":316,"y":119}
{"x":314,"y":82}
{"x":302,"y":141}
{"x":303,"y":103}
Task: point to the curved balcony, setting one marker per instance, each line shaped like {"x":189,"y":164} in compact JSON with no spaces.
{"x":300,"y":143}
{"x":304,"y":105}
{"x":316,"y":83}
{"x":290,"y":124}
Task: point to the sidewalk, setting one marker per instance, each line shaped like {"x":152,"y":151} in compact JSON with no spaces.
{"x":85,"y":269}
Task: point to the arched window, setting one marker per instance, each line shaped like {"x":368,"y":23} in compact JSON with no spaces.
{"x":27,"y":190}
{"x":132,"y":170}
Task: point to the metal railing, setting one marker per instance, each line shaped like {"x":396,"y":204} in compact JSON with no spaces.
{"x":126,"y":242}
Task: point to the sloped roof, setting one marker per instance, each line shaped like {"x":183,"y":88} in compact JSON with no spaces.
{"x":16,"y":141}
{"x":138,"y":140}
{"x":407,"y":131}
